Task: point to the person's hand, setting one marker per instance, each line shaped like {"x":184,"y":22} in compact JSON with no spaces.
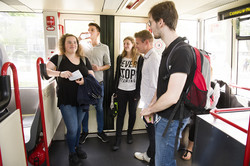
{"x":95,"y":67}
{"x":80,"y":81}
{"x":84,"y":35}
{"x":147,"y":115}
{"x":65,"y":74}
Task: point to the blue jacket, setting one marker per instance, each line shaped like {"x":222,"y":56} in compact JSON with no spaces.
{"x":89,"y":92}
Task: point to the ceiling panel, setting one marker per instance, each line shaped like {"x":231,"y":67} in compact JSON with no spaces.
{"x":113,"y":7}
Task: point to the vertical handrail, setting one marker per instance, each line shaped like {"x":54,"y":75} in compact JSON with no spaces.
{"x":1,"y":163}
{"x":247,"y":149}
{"x":40,"y":60}
{"x":17,"y":96}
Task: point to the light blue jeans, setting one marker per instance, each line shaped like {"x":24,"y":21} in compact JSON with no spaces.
{"x":72,"y":117}
{"x":99,"y":115}
{"x":164,"y":146}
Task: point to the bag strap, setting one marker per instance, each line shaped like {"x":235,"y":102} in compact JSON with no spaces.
{"x":173,"y":114}
{"x":199,"y":58}
{"x":59,"y":60}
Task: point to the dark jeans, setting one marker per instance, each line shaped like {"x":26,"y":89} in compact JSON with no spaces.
{"x":151,"y":136}
{"x":124,"y":98}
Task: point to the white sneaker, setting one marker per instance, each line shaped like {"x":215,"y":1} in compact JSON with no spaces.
{"x":142,"y":156}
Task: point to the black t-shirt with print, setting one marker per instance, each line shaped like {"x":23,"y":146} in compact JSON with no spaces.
{"x":67,"y":91}
{"x":181,"y":62}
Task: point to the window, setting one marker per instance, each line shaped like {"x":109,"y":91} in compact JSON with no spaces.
{"x":188,"y":29}
{"x":218,"y":38}
{"x":243,"y":72}
{"x":129,"y":29}
{"x":76,"y":27}
{"x":23,"y":38}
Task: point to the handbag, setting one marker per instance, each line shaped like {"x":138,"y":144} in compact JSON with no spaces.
{"x":114,"y":105}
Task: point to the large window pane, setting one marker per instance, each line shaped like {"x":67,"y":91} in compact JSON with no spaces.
{"x":23,"y":38}
{"x":76,"y":27}
{"x":218,"y":43}
{"x":129,"y":29}
{"x":244,"y":27}
{"x":244,"y":67}
{"x":188,"y":29}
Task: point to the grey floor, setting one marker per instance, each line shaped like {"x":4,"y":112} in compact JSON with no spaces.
{"x":101,"y":154}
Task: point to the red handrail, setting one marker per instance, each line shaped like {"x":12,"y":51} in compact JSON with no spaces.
{"x":240,"y":87}
{"x":1,"y":163}
{"x":17,"y":95}
{"x":40,"y":60}
{"x":213,"y":112}
{"x":247,"y":148}
{"x":61,"y":27}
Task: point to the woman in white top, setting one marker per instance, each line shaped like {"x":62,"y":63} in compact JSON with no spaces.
{"x":127,"y":87}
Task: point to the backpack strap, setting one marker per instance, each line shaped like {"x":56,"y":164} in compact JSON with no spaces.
{"x":199,"y":58}
{"x":173,"y":114}
{"x":59,"y":60}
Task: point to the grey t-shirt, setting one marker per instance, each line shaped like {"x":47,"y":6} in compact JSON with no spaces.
{"x":100,"y":56}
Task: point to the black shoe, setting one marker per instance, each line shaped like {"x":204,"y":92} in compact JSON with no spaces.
{"x":129,"y":139}
{"x":83,"y":137}
{"x":80,"y":153}
{"x":103,"y":137}
{"x":117,"y":144}
{"x":73,"y":159}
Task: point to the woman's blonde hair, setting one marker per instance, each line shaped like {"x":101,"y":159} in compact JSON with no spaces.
{"x":134,"y":51}
{"x":62,"y":50}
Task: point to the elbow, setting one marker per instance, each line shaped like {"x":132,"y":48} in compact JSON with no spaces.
{"x":174,"y":99}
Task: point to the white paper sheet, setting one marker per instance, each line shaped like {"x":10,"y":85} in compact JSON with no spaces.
{"x":75,"y":75}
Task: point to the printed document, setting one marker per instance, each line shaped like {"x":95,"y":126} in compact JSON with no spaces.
{"x":75,"y":75}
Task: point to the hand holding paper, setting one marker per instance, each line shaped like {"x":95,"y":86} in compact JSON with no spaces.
{"x":75,"y":75}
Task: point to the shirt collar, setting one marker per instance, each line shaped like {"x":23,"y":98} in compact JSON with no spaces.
{"x":146,"y":56}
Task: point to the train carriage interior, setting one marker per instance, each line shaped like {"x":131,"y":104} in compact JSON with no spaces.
{"x":32,"y":129}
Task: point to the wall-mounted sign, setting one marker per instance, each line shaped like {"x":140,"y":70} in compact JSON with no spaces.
{"x":235,"y":12}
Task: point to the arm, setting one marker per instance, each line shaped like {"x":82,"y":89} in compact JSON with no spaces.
{"x":100,"y":68}
{"x":51,"y":71}
{"x":170,"y":97}
{"x":91,"y":72}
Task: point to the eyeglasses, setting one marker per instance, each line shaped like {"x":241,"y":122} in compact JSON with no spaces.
{"x":149,"y":23}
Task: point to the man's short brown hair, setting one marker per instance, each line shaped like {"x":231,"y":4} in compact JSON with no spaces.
{"x":167,"y":12}
{"x":95,"y":25}
{"x":144,"y":35}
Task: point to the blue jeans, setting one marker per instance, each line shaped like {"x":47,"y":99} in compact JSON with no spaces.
{"x":99,"y":115}
{"x":164,"y":146}
{"x":72,"y":117}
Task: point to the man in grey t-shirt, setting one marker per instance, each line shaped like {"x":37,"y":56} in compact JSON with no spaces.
{"x":99,"y":57}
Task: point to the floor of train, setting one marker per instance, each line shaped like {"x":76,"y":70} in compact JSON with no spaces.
{"x":101,"y":154}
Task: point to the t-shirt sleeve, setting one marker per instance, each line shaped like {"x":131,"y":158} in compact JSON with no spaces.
{"x":88,"y":65}
{"x":181,"y":62}
{"x":54,"y":59}
{"x":106,"y":58}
